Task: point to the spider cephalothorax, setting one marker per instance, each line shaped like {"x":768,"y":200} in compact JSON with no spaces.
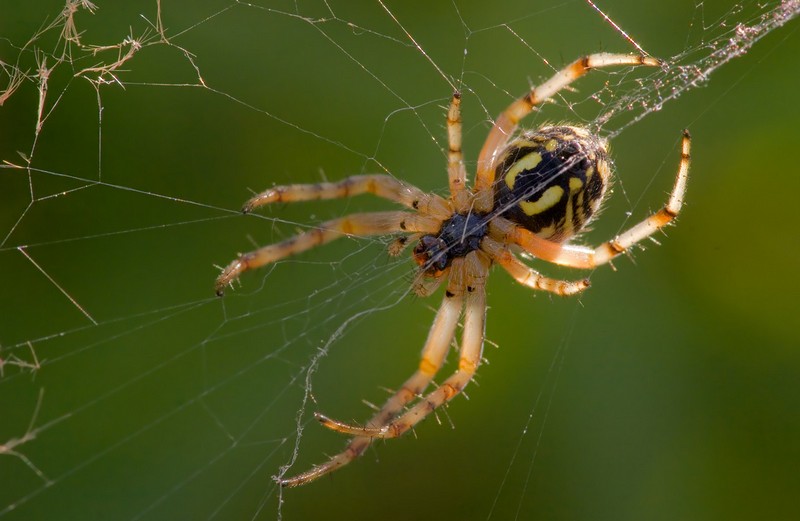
{"x":458,"y":236}
{"x":533,"y":192}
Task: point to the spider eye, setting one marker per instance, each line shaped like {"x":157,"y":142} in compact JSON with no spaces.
{"x":552,"y":181}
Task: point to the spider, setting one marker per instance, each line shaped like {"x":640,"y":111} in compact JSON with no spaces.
{"x":532,"y":192}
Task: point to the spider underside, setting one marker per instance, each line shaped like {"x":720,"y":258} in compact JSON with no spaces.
{"x":533,"y":192}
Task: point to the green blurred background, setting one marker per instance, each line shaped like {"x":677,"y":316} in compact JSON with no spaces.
{"x":669,"y":391}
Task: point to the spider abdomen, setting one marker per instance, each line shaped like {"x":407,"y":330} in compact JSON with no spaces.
{"x":552,"y":180}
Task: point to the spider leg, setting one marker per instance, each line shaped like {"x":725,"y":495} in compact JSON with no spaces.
{"x":397,"y":246}
{"x":375,"y":223}
{"x":470,"y":357}
{"x":424,"y":286}
{"x":456,"y":170}
{"x":583,"y":257}
{"x":381,"y":185}
{"x":506,"y":123}
{"x":502,"y":255}
{"x":436,"y":347}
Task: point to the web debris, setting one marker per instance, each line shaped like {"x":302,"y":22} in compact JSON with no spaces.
{"x":11,"y":447}
{"x":11,"y":360}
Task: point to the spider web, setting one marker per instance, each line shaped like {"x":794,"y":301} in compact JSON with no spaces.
{"x":130,"y":135}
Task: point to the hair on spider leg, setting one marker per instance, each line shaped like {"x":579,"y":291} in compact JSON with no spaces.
{"x":391,"y":391}
{"x":445,"y":411}
{"x":424,"y":286}
{"x":388,"y":390}
{"x":396,"y":246}
{"x":439,"y":420}
{"x":370,"y":405}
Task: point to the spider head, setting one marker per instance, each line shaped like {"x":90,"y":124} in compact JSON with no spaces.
{"x":552,"y":180}
{"x":458,"y":236}
{"x":430,"y":254}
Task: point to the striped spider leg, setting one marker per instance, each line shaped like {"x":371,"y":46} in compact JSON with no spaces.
{"x":433,"y":354}
{"x":431,"y":210}
{"x":505,"y":124}
{"x":470,"y":274}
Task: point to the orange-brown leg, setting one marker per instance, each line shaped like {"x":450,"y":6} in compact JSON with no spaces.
{"x":582,"y":257}
{"x":508,"y":120}
{"x":470,"y":356}
{"x":456,"y":171}
{"x":381,"y":185}
{"x":501,"y":254}
{"x":436,"y":347}
{"x":364,"y":224}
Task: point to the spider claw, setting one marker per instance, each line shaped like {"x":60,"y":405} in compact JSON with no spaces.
{"x":302,"y":479}
{"x":219,"y":286}
{"x":254,"y":202}
{"x":652,"y":61}
{"x":336,"y":425}
{"x":332,"y":424}
{"x":231,"y":273}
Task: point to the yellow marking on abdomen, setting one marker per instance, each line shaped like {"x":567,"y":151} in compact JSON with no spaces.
{"x":549,"y":198}
{"x":528,"y":162}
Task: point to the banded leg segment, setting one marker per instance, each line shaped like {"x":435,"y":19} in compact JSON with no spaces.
{"x":456,"y":170}
{"x":433,"y":354}
{"x":364,"y":224}
{"x":470,"y":357}
{"x":583,"y":257}
{"x":381,"y":185}
{"x":526,"y":275}
{"x":508,"y":120}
